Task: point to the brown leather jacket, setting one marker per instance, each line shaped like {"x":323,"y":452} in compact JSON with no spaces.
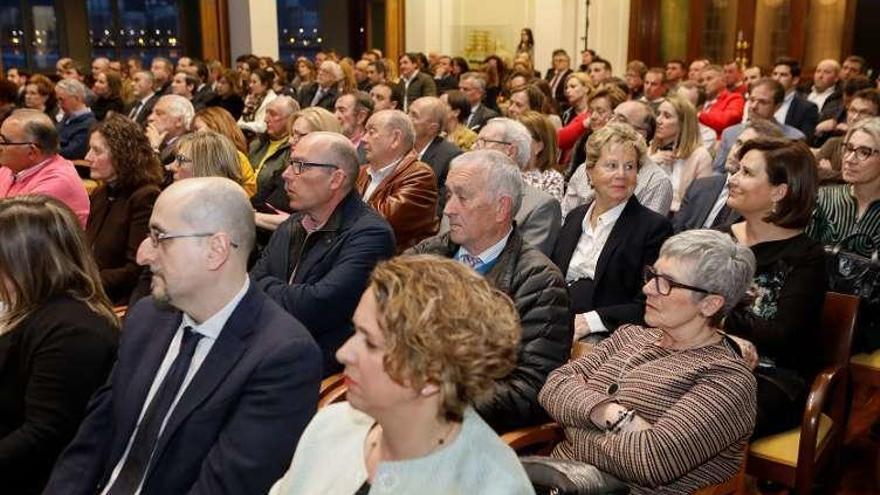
{"x":407,"y":199}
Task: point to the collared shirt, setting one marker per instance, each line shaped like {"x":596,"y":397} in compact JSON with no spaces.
{"x":586,"y":255}
{"x":209,"y":330}
{"x":30,"y":171}
{"x":819,"y":98}
{"x":782,"y":111}
{"x":73,"y":115}
{"x":719,"y":204}
{"x":141,"y":104}
{"x":471,"y":116}
{"x":377,"y":176}
{"x":488,"y":255}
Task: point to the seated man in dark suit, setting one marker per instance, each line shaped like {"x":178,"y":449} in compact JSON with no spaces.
{"x":557,"y":75}
{"x":796,"y":110}
{"x":318,"y":261}
{"x":428,"y":114}
{"x":203,"y":93}
{"x":213,"y":383}
{"x":485,"y":192}
{"x":323,"y":92}
{"x":704,"y":205}
{"x":73,"y":130}
{"x":473,"y":85}
{"x":144,"y":97}
{"x":413,"y":83}
{"x":171,"y":118}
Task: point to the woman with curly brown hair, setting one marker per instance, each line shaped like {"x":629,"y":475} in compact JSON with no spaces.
{"x":121,"y":159}
{"x":431,"y":336}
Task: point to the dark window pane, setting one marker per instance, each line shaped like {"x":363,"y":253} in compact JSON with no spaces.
{"x":12,"y":39}
{"x":298,"y":29}
{"x":45,"y":35}
{"x":145,"y":28}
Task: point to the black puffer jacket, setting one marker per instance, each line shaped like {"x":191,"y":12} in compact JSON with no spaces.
{"x":537,"y":288}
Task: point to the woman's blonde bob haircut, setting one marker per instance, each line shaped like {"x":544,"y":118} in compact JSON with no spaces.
{"x":615,"y":133}
{"x":444,"y":324}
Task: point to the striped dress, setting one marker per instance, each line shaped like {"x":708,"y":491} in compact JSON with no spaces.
{"x":700,"y":403}
{"x":836,"y":217}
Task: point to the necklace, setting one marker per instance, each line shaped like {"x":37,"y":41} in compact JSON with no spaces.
{"x":614,"y":387}
{"x":440,"y":441}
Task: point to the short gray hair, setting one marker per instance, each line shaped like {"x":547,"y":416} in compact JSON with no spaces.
{"x":714,"y":262}
{"x":38,"y":128}
{"x":477,"y":78}
{"x":217,"y":204}
{"x":870,"y":126}
{"x":396,"y":120}
{"x":288,"y":104}
{"x":334,"y":68}
{"x":178,"y":106}
{"x":73,"y":87}
{"x":502,"y":176}
{"x":516,"y":134}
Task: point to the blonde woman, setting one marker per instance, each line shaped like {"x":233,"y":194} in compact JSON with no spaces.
{"x":578,"y":88}
{"x":677,"y":146}
{"x":306,"y":121}
{"x":205,"y":154}
{"x":220,"y":121}
{"x":431,"y":337}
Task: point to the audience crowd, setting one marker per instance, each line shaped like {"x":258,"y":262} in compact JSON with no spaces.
{"x":442,"y":233}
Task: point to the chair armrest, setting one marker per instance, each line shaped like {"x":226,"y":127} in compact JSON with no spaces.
{"x":820,"y":393}
{"x":547,"y":435}
{"x":331,"y":382}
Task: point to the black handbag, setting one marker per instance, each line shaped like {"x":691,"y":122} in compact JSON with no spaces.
{"x":850,"y":272}
{"x":551,"y":476}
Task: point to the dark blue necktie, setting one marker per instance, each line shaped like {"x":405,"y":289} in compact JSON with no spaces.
{"x":147,"y":434}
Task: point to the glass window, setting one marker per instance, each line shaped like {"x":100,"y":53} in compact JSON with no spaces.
{"x":28,"y":34}
{"x":142,"y":28}
{"x":298,"y":29}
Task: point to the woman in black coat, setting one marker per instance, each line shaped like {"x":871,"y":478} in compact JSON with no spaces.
{"x":58,"y":337}
{"x":604,"y":245}
{"x":108,"y":90}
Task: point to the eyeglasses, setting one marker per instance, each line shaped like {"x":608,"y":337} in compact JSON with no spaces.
{"x":157,"y":237}
{"x":298,"y":166}
{"x":182,"y":158}
{"x":664,"y":284}
{"x":6,"y":142}
{"x":862,"y":152}
{"x":481,"y":142}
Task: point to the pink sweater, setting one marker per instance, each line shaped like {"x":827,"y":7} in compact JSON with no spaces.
{"x":54,"y":177}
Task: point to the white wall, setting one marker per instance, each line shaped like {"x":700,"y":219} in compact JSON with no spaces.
{"x":253,"y":28}
{"x":442,"y":26}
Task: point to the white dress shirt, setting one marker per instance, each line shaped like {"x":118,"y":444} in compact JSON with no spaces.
{"x":377,"y":176}
{"x":719,"y":203}
{"x":586,"y":255}
{"x":819,"y":98}
{"x":782,"y":111}
{"x":489,"y":254}
{"x":209,"y":331}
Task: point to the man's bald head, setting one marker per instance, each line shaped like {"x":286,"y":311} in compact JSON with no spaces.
{"x":214,"y":204}
{"x":334,"y":149}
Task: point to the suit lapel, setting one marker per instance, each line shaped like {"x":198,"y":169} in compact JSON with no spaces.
{"x":222,"y":358}
{"x":615,"y":238}
{"x":569,"y":237}
{"x":712,"y":192}
{"x":133,"y":394}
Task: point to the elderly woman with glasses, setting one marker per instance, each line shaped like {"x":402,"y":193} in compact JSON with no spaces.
{"x":667,"y":407}
{"x":431,"y":337}
{"x":774,"y":191}
{"x":604,"y":243}
{"x":852,"y":210}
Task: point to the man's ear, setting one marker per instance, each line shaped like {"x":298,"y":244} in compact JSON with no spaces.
{"x":219,"y":250}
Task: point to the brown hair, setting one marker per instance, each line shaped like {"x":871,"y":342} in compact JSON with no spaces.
{"x":445,"y":324}
{"x":44,"y":254}
{"x":791,"y":163}
{"x":132,"y":156}
{"x":234,"y":79}
{"x":219,"y":120}
{"x":542,"y":130}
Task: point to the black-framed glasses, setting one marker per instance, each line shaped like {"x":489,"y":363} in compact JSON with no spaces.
{"x":481,"y":142}
{"x":4,"y":141}
{"x":298,"y":165}
{"x":862,"y":152}
{"x":664,"y":284}
{"x":181,"y":158}
{"x":157,"y":237}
